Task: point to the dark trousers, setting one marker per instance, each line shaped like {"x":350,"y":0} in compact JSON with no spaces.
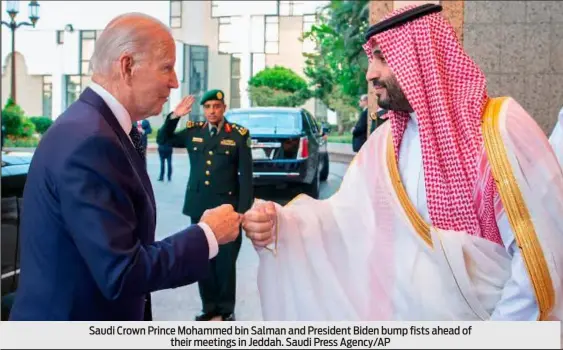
{"x":165,"y":154}
{"x":218,"y":289}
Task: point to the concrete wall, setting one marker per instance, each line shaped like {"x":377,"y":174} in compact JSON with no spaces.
{"x":519,"y":45}
{"x":290,"y":53}
{"x":199,"y":28}
{"x":29,"y":88}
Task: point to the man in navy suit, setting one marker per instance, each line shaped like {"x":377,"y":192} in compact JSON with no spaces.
{"x":88,"y":226}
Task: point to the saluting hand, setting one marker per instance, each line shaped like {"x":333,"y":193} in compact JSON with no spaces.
{"x":184,"y":107}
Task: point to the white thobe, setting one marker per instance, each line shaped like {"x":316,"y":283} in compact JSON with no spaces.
{"x":556,"y":138}
{"x":518,"y":301}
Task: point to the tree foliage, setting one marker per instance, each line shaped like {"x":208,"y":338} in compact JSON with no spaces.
{"x":337,"y":70}
{"x":278,"y":86}
{"x":15,"y":121}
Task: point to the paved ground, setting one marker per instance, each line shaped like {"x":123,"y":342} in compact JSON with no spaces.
{"x":182,"y":304}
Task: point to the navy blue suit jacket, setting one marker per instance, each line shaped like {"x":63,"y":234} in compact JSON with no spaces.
{"x":88,"y":225}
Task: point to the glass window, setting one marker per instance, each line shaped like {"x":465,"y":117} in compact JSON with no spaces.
{"x":175,"y":8}
{"x":225,"y":32}
{"x":175,"y":22}
{"x":175,"y":14}
{"x":274,"y":120}
{"x":284,"y":9}
{"x":60,"y":37}
{"x":87,"y":44}
{"x":73,"y":88}
{"x":89,"y":34}
{"x":215,"y":9}
{"x":197,"y":73}
{"x":291,"y":8}
{"x":47,"y":95}
{"x":272,"y":32}
{"x":258,"y":27}
{"x":309,"y":45}
{"x":235,"y":81}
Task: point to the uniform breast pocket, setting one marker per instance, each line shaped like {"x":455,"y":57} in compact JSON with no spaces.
{"x":225,"y":155}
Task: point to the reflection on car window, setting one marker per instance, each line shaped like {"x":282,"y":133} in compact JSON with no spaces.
{"x":266,"y":120}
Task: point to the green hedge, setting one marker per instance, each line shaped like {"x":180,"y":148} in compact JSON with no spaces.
{"x":344,"y":138}
{"x":41,"y":123}
{"x":13,"y":118}
{"x":278,"y":86}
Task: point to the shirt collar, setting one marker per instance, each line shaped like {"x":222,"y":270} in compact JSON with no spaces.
{"x":414,"y":117}
{"x":115,"y":106}
{"x":218,"y":127}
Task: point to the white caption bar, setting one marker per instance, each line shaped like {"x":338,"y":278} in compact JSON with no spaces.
{"x":319,"y":335}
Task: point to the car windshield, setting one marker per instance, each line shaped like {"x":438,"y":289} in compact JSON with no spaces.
{"x":276,"y":120}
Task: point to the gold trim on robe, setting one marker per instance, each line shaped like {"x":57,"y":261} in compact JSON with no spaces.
{"x":420,"y":226}
{"x":516,"y":209}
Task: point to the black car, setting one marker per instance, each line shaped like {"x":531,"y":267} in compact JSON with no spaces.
{"x":14,"y":174}
{"x":288,"y":146}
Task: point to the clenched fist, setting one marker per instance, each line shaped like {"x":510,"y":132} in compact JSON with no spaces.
{"x":224,"y":221}
{"x":259,"y":223}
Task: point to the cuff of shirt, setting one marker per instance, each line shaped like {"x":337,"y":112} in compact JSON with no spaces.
{"x":211,"y":240}
{"x":273,"y":246}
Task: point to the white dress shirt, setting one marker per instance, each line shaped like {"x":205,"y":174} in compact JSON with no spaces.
{"x":124,"y":120}
{"x":518,"y":301}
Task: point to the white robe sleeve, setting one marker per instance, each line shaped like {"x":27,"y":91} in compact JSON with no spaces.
{"x":556,"y":138}
{"x":518,"y":301}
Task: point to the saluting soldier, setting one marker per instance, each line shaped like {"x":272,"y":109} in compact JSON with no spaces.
{"x":220,"y":173}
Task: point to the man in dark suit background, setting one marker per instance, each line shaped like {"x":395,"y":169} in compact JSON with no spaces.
{"x":89,"y":218}
{"x":360,"y":130}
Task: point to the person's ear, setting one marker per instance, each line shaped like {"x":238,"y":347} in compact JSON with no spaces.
{"x":126,"y":68}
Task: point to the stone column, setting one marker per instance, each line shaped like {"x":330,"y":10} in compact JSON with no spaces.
{"x":453,"y":12}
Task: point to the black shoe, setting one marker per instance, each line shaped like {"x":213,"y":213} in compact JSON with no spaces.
{"x":160,"y":179}
{"x":205,"y":316}
{"x":228,"y":317}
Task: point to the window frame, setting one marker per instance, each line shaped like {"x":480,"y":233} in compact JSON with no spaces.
{"x":173,"y":17}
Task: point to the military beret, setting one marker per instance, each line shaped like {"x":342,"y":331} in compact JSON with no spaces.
{"x":210,"y":95}
{"x":402,"y":18}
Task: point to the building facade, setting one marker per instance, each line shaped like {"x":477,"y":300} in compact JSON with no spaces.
{"x":219,"y":44}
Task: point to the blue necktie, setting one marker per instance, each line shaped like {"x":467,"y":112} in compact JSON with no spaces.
{"x":137,"y":142}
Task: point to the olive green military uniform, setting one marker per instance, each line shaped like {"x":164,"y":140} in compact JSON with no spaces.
{"x":220,"y":173}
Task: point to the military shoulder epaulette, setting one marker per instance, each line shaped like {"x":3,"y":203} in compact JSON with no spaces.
{"x":241,"y":129}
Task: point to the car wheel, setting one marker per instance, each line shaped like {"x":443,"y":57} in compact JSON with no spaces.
{"x":325,"y":167}
{"x":314,"y":189}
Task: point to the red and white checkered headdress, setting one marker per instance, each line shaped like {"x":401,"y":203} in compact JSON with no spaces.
{"x":447,"y":91}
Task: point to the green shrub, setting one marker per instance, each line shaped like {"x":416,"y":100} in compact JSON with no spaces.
{"x":28,"y":128}
{"x":278,"y":86}
{"x":13,"y":118}
{"x":12,"y":141}
{"x":41,"y":123}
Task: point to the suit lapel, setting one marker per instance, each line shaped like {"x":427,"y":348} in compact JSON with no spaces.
{"x":93,"y":99}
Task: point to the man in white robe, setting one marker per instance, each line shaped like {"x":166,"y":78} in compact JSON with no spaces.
{"x":451,"y":211}
{"x":556,"y":138}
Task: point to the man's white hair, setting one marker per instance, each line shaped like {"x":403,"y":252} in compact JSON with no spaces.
{"x":364,"y":97}
{"x":127,"y":33}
